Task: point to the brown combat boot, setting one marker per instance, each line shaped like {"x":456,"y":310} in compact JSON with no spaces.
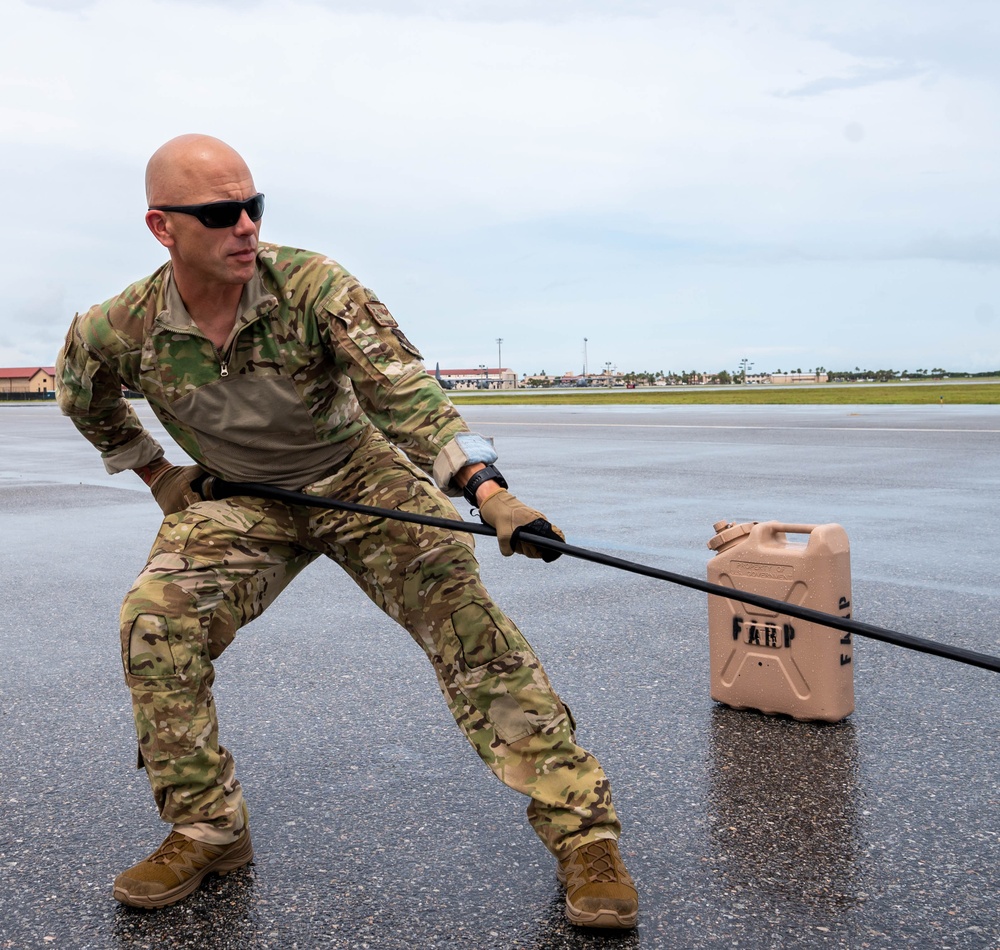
{"x":599,"y":891}
{"x":177,"y":867}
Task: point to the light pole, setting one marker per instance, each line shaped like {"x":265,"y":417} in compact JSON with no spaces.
{"x":584,"y":356}
{"x":499,"y":362}
{"x":607,"y":369}
{"x":486,"y":376}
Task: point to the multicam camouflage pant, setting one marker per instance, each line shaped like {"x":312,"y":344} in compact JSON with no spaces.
{"x":219,"y":564}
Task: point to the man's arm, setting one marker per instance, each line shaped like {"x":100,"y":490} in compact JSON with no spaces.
{"x":392,"y":386}
{"x":409,"y":406}
{"x":89,"y":391}
{"x":500,"y":509}
{"x":170,"y":484}
{"x":148,"y":473}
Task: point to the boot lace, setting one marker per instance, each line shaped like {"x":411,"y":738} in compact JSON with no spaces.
{"x":599,"y":864}
{"x":172,"y":846}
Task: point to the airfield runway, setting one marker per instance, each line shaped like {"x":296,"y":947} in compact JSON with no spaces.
{"x":374,"y":823}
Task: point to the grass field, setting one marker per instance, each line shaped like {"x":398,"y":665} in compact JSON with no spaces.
{"x":831,"y":394}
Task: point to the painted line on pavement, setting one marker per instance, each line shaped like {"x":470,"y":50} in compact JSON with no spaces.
{"x":652,"y":425}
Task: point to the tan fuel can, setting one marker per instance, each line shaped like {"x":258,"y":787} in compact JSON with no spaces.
{"x":770,"y":661}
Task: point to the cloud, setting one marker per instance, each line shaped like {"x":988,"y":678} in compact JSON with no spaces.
{"x":959,"y":38}
{"x":488,"y":11}
{"x":61,"y":6}
{"x":564,"y":169}
{"x":981,"y":248}
{"x":863,"y":77}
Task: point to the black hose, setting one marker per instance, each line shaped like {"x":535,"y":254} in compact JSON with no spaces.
{"x":211,"y":487}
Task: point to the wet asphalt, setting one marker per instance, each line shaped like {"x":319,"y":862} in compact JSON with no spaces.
{"x":374,"y":823}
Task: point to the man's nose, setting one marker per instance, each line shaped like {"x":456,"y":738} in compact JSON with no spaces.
{"x":244,"y":225}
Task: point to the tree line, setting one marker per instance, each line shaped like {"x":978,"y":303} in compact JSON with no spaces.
{"x":738,"y":376}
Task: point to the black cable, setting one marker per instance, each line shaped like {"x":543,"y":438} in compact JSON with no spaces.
{"x":211,"y":487}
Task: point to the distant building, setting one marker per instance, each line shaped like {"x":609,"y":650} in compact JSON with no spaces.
{"x":785,"y":378}
{"x":484,"y":377}
{"x":541,"y":380}
{"x":28,"y":379}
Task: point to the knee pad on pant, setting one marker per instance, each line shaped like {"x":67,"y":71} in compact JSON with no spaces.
{"x":159,"y":648}
{"x":480,"y":636}
{"x":146,"y":648}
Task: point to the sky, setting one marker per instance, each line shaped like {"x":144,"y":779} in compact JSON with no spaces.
{"x":622,"y":184}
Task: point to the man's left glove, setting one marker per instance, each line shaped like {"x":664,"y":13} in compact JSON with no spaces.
{"x":171,"y":487}
{"x":508,"y":516}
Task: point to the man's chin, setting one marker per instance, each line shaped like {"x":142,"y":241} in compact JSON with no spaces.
{"x":242,"y":271}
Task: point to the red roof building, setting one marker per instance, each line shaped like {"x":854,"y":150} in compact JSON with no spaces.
{"x":28,"y":379}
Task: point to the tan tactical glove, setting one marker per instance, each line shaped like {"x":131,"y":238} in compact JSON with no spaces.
{"x":171,"y":487}
{"x":508,"y":516}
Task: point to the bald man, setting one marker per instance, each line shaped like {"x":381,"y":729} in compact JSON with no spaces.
{"x":274,"y":365}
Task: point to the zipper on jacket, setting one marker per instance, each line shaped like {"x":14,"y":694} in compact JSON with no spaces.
{"x":224,"y":357}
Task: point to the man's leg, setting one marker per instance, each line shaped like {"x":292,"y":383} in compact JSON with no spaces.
{"x":428,"y":580}
{"x":212,"y":569}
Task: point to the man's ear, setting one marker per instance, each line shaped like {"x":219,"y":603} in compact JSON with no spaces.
{"x":157,"y":223}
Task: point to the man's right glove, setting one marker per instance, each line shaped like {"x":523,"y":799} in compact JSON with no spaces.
{"x":171,"y":487}
{"x":508,"y":516}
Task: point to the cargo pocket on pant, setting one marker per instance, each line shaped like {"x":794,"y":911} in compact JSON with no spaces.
{"x":513,"y":693}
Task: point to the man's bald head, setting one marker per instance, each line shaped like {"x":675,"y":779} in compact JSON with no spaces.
{"x":195,"y":168}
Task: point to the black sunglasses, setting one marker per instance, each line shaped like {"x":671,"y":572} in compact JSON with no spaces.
{"x":220,"y":214}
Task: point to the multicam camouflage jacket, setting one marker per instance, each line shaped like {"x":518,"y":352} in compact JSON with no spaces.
{"x":313,"y":360}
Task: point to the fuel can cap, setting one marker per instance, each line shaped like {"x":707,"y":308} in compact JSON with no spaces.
{"x":726,"y":533}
